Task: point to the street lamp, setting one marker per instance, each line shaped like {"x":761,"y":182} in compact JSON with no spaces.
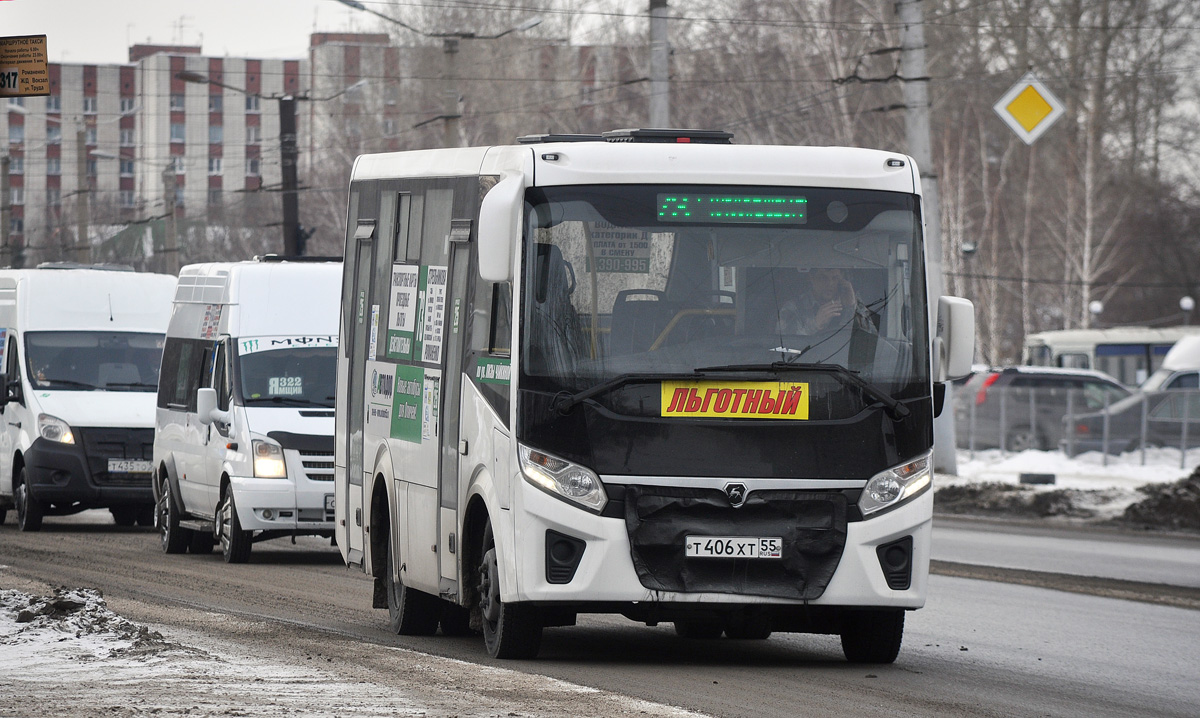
{"x":1187,"y":304}
{"x":450,"y":40}
{"x":288,"y":158}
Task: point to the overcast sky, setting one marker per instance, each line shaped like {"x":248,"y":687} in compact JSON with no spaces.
{"x":101,"y":31}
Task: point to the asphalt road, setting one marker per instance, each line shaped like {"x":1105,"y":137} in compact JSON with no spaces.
{"x":979,"y":648}
{"x":1027,"y":545}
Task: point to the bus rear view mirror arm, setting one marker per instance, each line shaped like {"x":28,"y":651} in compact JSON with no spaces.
{"x":954,"y":343}
{"x":499,"y":223}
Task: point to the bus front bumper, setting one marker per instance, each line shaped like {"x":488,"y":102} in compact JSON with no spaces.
{"x":606,"y":572}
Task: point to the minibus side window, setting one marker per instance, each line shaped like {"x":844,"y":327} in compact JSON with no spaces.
{"x":501,"y":329}
{"x":221,"y":381}
{"x":13,"y":374}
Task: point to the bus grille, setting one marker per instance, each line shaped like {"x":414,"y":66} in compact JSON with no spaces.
{"x":812,"y":525}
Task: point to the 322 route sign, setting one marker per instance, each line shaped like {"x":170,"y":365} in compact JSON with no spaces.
{"x":23,"y":68}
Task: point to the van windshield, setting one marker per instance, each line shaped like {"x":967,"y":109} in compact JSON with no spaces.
{"x":291,"y":376}
{"x":94,"y":361}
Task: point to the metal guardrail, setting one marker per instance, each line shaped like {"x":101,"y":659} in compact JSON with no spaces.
{"x":1051,"y":417}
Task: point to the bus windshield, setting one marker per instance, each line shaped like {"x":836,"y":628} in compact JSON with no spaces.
{"x":646,"y":279}
{"x":290,"y":376}
{"x":94,"y":361}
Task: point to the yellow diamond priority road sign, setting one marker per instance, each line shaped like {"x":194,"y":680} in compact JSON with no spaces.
{"x":1029,"y":108}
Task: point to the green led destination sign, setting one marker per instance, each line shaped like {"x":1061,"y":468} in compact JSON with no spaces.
{"x":732,"y":208}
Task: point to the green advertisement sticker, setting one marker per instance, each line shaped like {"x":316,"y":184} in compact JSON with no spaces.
{"x":406,"y":403}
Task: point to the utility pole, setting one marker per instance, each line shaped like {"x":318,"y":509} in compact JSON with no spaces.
{"x":660,"y":54}
{"x":289,"y":158}
{"x":450,"y":94}
{"x":82,"y":250}
{"x":911,"y":14}
{"x":170,"y":240}
{"x":6,"y":257}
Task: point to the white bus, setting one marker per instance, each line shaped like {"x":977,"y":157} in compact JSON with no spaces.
{"x":1128,"y":354}
{"x":584,"y":377}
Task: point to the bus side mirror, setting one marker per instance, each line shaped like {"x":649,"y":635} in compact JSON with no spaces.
{"x":206,"y":404}
{"x":954,"y":343}
{"x":499,"y":228}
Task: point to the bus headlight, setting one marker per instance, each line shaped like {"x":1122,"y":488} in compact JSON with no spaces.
{"x":893,"y":487}
{"x":568,"y":481}
{"x":268,"y":460}
{"x":53,"y":428}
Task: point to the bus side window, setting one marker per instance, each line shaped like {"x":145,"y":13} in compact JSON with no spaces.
{"x":500,"y":336}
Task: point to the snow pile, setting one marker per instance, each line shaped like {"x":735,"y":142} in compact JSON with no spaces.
{"x":72,"y":624}
{"x":1086,"y":472}
{"x":1088,"y":487}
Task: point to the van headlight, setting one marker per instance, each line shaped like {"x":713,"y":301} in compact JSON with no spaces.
{"x":53,"y":428}
{"x":568,"y":481}
{"x":888,"y":489}
{"x":268,"y":460}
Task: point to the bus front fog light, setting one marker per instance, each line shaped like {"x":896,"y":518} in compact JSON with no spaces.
{"x":893,"y":487}
{"x":561,"y":478}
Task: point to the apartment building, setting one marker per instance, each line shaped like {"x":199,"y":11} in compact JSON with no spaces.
{"x":145,"y":144}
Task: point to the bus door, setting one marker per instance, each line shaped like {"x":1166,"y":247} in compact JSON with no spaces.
{"x":360,"y":330}
{"x":452,"y":443}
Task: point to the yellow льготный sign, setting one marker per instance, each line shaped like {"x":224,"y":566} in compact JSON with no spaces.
{"x":735,"y":399}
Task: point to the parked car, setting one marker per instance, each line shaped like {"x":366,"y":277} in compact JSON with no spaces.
{"x":1169,"y":398}
{"x":1022,"y":407}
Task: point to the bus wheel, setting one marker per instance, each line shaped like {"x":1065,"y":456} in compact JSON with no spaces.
{"x":698,"y":630}
{"x":410,"y":612}
{"x":872,"y":636}
{"x":510,"y":630}
{"x":235,"y":543}
{"x":174,"y":538}
{"x":749,"y":628}
{"x":456,"y":620}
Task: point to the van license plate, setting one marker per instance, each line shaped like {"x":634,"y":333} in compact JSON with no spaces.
{"x":329,"y":502}
{"x":733,"y":547}
{"x":129,"y":466}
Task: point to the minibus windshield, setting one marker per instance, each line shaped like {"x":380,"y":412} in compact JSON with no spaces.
{"x":635,"y":280}
{"x":93,"y":361}
{"x":292,"y":376}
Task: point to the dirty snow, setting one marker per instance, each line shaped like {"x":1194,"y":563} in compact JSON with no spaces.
{"x":1093,"y":486}
{"x":68,"y":654}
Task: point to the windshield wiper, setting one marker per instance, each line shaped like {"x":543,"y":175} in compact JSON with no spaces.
{"x":894,"y":408}
{"x":69,"y":382}
{"x":564,"y":401}
{"x":131,"y":384}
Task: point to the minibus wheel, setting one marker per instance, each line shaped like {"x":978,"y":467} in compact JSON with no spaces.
{"x":174,"y":537}
{"x":872,"y":636}
{"x":510,"y":630}
{"x":29,"y":509}
{"x":235,"y":543}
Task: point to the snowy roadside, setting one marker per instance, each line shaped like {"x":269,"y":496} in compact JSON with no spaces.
{"x":65,"y":653}
{"x":1085,"y":487}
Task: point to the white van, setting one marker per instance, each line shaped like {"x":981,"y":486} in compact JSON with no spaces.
{"x":80,"y":347}
{"x":243,"y":442}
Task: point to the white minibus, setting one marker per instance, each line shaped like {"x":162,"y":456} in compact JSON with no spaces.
{"x":243,"y":445}
{"x":80,"y":346}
